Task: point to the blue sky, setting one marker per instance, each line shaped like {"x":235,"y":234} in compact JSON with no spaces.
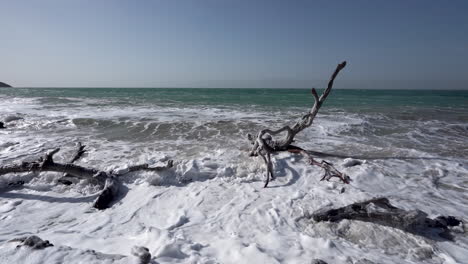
{"x":226,"y":43}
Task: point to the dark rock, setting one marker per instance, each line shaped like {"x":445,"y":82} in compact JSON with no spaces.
{"x":2,"y":84}
{"x":2,"y":125}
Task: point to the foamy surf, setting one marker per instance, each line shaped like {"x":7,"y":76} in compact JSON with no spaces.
{"x":211,"y":208}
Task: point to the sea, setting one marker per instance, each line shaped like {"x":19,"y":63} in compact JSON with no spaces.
{"x":412,"y":145}
{"x":360,"y":122}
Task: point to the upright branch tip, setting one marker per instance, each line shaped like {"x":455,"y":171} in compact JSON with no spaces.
{"x":314,"y":93}
{"x":341,"y":65}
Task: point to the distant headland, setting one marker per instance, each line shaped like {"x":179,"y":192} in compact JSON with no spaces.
{"x":2,"y":84}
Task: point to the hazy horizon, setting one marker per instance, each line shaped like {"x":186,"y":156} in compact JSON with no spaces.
{"x":403,"y":86}
{"x":242,"y":44}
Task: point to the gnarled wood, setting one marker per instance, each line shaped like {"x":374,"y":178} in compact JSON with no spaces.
{"x":146,"y":167}
{"x":109,"y":180}
{"x":33,"y":242}
{"x":264,"y":144}
{"x":381,"y":211}
{"x":329,"y":170}
{"x":110,"y":190}
{"x":67,"y":179}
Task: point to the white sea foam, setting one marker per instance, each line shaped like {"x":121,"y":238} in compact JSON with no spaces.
{"x":211,"y":208}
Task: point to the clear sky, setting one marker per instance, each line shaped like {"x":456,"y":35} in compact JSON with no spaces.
{"x":227,"y":43}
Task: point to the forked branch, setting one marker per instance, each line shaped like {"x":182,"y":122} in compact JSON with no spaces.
{"x":265,"y":144}
{"x":329,"y":170}
{"x":109,"y":180}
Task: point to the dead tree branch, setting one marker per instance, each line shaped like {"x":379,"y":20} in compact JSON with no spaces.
{"x":78,"y":152}
{"x":381,"y":211}
{"x":67,"y":179}
{"x":109,"y":180}
{"x":264,"y":144}
{"x":329,"y":170}
{"x":146,"y":167}
{"x":33,"y":242}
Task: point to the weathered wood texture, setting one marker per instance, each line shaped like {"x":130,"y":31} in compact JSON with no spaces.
{"x":109,"y":180}
{"x":265,"y":144}
{"x":380,"y":211}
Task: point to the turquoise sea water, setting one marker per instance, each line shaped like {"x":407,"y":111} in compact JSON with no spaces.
{"x":345,"y":98}
{"x":367,"y":121}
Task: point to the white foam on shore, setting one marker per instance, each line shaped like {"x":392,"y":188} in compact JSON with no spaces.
{"x":220,"y":213}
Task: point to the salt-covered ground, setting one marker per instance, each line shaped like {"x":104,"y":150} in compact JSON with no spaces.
{"x":211,"y":208}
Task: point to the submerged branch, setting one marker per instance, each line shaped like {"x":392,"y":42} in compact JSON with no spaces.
{"x":380,"y":211}
{"x":77,"y":154}
{"x":109,"y":180}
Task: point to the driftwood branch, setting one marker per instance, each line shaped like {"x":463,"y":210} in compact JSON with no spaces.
{"x":108,"y":193}
{"x":78,"y":152}
{"x":264,"y":144}
{"x":329,"y":170}
{"x":380,"y":211}
{"x":146,"y":167}
{"x":67,"y":179}
{"x":33,"y":242}
{"x":109,"y":180}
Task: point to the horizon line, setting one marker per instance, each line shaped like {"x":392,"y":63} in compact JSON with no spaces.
{"x":198,"y":87}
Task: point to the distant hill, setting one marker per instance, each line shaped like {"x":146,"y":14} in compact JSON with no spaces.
{"x":4,"y":85}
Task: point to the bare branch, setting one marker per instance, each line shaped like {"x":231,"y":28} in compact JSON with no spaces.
{"x":381,"y":211}
{"x":264,"y":145}
{"x":314,"y":93}
{"x":108,"y":193}
{"x":146,"y":167}
{"x":33,"y":242}
{"x":107,"y":179}
{"x":329,"y":170}
{"x":78,"y":152}
{"x":67,"y":179}
{"x":269,"y":167}
{"x":308,"y":119}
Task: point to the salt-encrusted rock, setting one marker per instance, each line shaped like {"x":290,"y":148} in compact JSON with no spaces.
{"x":33,"y":242}
{"x":142,"y":253}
